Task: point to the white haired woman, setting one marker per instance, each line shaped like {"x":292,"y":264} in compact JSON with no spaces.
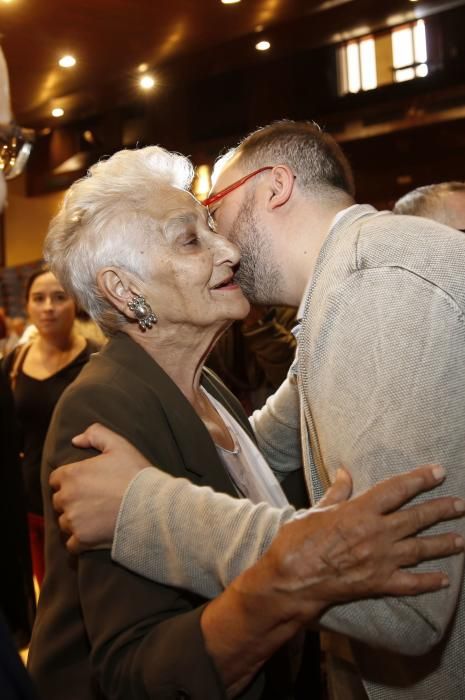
{"x":136,"y":250}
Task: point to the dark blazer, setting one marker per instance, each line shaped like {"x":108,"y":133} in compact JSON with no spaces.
{"x":102,"y":631}
{"x":14,"y":681}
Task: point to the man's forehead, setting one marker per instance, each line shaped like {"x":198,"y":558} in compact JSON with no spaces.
{"x":227,"y":175}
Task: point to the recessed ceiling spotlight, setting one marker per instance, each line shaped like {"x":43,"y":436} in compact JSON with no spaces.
{"x":67,"y":61}
{"x":147,"y":82}
{"x":142,"y":67}
{"x":229,"y":2}
{"x":263,"y":45}
{"x":57,"y":112}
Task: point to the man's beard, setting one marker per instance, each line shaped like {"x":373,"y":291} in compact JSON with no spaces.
{"x":258,"y":274}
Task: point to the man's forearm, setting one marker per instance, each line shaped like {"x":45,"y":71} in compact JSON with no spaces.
{"x":162,"y":519}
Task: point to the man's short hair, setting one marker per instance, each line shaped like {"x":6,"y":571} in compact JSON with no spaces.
{"x":314,"y":156}
{"x":428,"y":201}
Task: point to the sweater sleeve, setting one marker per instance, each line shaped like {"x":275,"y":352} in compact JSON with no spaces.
{"x":277,"y":428}
{"x":162,"y":520}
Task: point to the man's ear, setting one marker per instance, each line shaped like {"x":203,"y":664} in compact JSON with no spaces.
{"x":118,"y":287}
{"x":282,"y":185}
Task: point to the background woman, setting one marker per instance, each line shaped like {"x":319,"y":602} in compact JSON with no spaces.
{"x":39,"y":372}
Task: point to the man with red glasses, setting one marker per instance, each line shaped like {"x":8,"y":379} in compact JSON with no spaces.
{"x":378,"y":385}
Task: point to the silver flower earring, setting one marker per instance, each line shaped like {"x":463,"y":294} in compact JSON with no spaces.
{"x":143,"y":312}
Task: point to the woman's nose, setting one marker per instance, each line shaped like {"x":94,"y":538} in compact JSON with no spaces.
{"x":227,"y":251}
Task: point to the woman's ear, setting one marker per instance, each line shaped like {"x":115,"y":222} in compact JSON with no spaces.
{"x":282,"y":185}
{"x":118,"y":288}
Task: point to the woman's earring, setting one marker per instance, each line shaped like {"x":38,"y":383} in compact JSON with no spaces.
{"x":143,"y":312}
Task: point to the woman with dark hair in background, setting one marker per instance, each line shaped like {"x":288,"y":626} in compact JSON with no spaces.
{"x":39,"y":372}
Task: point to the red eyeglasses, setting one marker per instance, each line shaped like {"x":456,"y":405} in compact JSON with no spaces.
{"x":230,"y":188}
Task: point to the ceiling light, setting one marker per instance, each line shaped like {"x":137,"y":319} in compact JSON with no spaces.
{"x":57,"y":112}
{"x":147,"y":82}
{"x":88,"y":136}
{"x":67,"y":61}
{"x":263,"y":46}
{"x":142,"y":67}
{"x":229,"y":2}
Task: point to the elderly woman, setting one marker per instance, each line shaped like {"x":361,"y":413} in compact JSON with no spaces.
{"x":137,"y":252}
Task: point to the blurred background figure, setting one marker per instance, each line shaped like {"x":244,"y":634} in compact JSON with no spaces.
{"x":444,"y":202}
{"x":17,"y":601}
{"x":3,"y":332}
{"x":38,"y":372}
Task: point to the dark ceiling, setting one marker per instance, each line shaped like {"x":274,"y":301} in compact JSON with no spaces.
{"x":111,"y":38}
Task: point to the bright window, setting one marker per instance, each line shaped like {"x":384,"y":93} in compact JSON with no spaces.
{"x":409,"y":55}
{"x":358,"y":65}
{"x":389,"y":57}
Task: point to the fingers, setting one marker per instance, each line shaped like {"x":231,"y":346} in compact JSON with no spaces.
{"x":64,"y":523}
{"x":412,"y":551}
{"x":96,"y":436}
{"x":73,"y":545}
{"x":394,"y":492}
{"x":418,"y":517}
{"x":339,"y":491}
{"x":57,"y":501}
{"x":407,"y":583}
{"x":56,"y":478}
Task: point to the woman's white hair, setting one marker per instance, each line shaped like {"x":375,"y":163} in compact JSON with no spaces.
{"x":104,"y":220}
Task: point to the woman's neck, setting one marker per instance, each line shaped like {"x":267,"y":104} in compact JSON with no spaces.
{"x":48,"y":355}
{"x":57,"y":344}
{"x":181,"y":352}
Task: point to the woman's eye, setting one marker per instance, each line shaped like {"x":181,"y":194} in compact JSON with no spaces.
{"x":192,"y":241}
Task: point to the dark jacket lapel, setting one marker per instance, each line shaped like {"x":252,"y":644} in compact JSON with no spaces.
{"x":195,"y":446}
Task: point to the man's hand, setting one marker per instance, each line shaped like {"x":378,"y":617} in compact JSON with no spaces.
{"x":88,"y":494}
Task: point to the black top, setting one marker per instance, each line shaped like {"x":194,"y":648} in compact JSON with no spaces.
{"x":17,"y":599}
{"x":35,"y":400}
